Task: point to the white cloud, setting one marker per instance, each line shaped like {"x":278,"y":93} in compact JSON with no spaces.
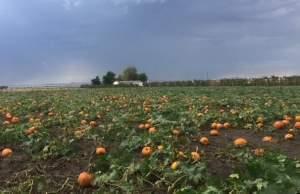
{"x":120,"y":2}
{"x":69,"y":4}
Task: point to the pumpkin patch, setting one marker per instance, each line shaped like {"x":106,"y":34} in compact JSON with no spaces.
{"x":150,"y":140}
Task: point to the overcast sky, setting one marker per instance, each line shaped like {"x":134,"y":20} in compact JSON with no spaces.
{"x":51,"y":41}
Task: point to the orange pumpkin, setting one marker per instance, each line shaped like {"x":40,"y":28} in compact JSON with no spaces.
{"x":50,"y":114}
{"x":8,"y":116}
{"x":31,"y":130}
{"x":15,"y":120}
{"x":214,"y":132}
{"x":259,"y":152}
{"x":214,"y":125}
{"x":83,"y":122}
{"x":85,"y":179}
{"x":289,"y":136}
{"x":147,"y":125}
{"x":100,"y":151}
{"x":93,"y":124}
{"x":195,"y":156}
{"x":297,"y":125}
{"x":297,"y":118}
{"x":141,"y":126}
{"x":267,"y":139}
{"x":6,"y":153}
{"x":219,"y":126}
{"x":278,"y":125}
{"x":152,"y":130}
{"x":286,"y":122}
{"x":240,"y":142}
{"x":227,"y":125}
{"x":147,"y":151}
{"x":204,"y":141}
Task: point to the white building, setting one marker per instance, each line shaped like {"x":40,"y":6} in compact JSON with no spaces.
{"x":133,"y":83}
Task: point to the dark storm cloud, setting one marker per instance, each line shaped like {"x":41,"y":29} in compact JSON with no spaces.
{"x":72,"y":40}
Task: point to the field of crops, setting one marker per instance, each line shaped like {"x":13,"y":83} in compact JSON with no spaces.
{"x":151,"y":140}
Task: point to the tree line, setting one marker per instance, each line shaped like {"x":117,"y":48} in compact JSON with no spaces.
{"x":129,"y":74}
{"x":262,"y":81}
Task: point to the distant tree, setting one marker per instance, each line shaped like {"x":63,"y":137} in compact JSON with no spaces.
{"x":109,"y":78}
{"x":96,"y":81}
{"x":142,"y":77}
{"x":119,"y":78}
{"x":130,"y":73}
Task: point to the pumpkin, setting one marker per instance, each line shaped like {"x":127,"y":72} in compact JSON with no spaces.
{"x":292,"y":131}
{"x":260,"y":120}
{"x":31,"y":130}
{"x":240,"y":142}
{"x":297,"y":118}
{"x":297,"y":125}
{"x":219,"y":126}
{"x":85,"y":179}
{"x":259,"y":152}
{"x":289,"y":136}
{"x":286,"y":122}
{"x":278,"y":125}
{"x":214,"y":132}
{"x":83,"y":122}
{"x":175,"y":165}
{"x":227,"y":125}
{"x":152,"y":130}
{"x":6,"y":153}
{"x":267,"y":139}
{"x":15,"y":120}
{"x":204,"y":141}
{"x":260,"y":125}
{"x":141,"y":126}
{"x":147,"y":151}
{"x":93,"y":124}
{"x":50,"y":114}
{"x":100,"y":151}
{"x":214,"y":125}
{"x":147,"y":125}
{"x":195,"y":156}
{"x":160,"y":148}
{"x":8,"y":116}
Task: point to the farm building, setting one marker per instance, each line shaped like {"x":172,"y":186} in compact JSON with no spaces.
{"x":129,"y":83}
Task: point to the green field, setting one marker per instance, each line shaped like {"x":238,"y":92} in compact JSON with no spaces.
{"x":54,"y":137}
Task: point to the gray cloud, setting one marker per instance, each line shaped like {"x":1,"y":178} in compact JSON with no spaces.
{"x":72,"y":40}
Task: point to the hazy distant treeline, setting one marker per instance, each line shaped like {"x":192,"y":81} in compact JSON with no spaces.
{"x":263,"y":81}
